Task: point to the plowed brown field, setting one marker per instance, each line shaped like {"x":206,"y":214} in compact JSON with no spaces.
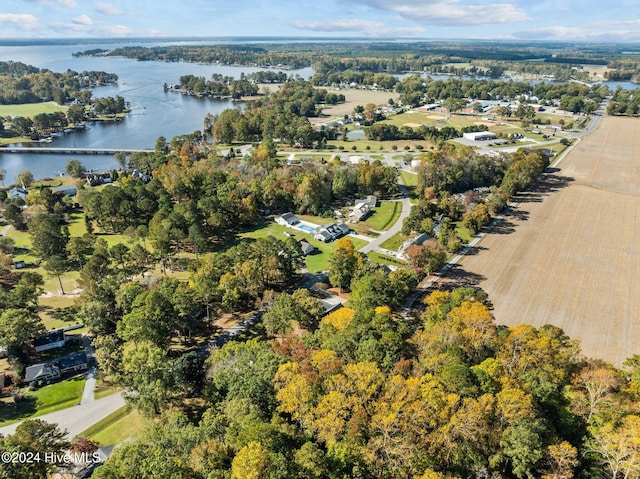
{"x":569,"y":255}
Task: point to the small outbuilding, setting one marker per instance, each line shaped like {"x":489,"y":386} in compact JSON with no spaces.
{"x":306,"y":247}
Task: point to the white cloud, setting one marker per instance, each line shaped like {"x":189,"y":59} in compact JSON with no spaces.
{"x":83,"y":20}
{"x":62,"y":3}
{"x":368,"y":27}
{"x":338,"y":25}
{"x":450,"y":12}
{"x":109,"y":9}
{"x":20,"y":21}
{"x":564,"y":33}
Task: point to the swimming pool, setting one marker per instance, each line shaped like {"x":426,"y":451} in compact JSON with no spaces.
{"x":307,"y":228}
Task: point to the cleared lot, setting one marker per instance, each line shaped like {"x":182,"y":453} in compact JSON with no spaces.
{"x":569,"y":255}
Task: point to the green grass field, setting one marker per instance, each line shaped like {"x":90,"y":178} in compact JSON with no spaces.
{"x":384,"y":259}
{"x":394,"y":242}
{"x":384,"y":216}
{"x":44,"y":400}
{"x":31,"y":109}
{"x":409,"y":179}
{"x":116,"y":427}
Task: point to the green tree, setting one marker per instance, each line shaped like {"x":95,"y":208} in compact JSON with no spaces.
{"x":18,"y":327}
{"x":343,"y":263}
{"x":48,"y":237}
{"x":25,"y":178}
{"x":152,"y":318}
{"x":146,"y":377}
{"x":75,"y":168}
{"x":56,"y":266}
{"x":35,"y":437}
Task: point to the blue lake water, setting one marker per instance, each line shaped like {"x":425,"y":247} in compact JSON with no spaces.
{"x":154,"y":112}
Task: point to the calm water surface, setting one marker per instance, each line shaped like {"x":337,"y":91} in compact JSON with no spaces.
{"x":154,"y":112}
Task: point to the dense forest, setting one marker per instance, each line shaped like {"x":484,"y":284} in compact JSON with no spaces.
{"x":20,"y":83}
{"x":363,"y":393}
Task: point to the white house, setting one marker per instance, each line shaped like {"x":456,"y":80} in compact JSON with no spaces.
{"x":479,"y":136}
{"x":51,"y":340}
{"x":18,"y":192}
{"x":359,"y":212}
{"x":287,"y":219}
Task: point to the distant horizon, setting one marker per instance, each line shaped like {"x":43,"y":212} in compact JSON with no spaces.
{"x":289,"y":38}
{"x":508,"y":20}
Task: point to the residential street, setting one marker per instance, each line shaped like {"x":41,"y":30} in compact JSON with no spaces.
{"x":78,"y":418}
{"x":397,"y":226}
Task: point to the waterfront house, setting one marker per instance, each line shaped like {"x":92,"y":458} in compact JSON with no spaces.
{"x":17,"y":192}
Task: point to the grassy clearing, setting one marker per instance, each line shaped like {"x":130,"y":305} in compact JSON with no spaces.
{"x":384,"y":216}
{"x":370,"y":146}
{"x":116,"y":427}
{"x":31,"y":109}
{"x":17,"y":139}
{"x":44,"y":400}
{"x":316,"y":262}
{"x":384,"y":259}
{"x":409,"y":179}
{"x":394,"y":242}
{"x":57,"y":311}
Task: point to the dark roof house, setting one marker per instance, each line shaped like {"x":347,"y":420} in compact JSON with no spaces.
{"x":50,"y":340}
{"x":41,"y":372}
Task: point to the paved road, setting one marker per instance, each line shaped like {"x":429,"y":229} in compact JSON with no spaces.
{"x":397,"y":226}
{"x":78,"y":418}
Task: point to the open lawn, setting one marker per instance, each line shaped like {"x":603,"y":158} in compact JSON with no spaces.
{"x":384,"y":259}
{"x":31,"y":109}
{"x":317,"y":261}
{"x":116,"y":427}
{"x":355,"y":97}
{"x":44,"y":400}
{"x":394,"y":242}
{"x":569,"y":254}
{"x":384,"y":215}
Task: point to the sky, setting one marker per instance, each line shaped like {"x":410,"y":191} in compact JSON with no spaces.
{"x":562,"y":20}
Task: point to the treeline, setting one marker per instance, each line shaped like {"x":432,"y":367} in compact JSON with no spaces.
{"x":20,"y":83}
{"x":389,"y":132}
{"x":448,"y":190}
{"x":109,"y":105}
{"x":453,"y":92}
{"x":624,"y":102}
{"x":226,"y":55}
{"x":488,"y":58}
{"x":282,"y":116}
{"x":366,"y":395}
